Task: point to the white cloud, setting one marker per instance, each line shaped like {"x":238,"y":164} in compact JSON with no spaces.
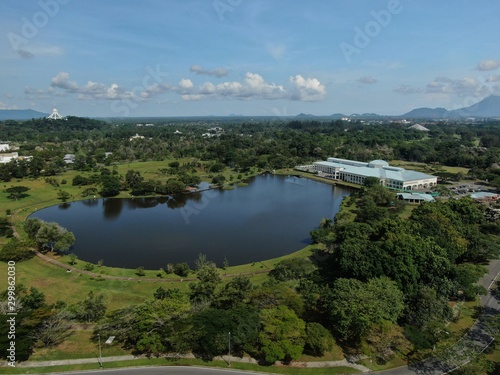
{"x":92,"y":90}
{"x":217,"y":72}
{"x":6,"y":106}
{"x":307,"y":89}
{"x":485,"y":65}
{"x":253,"y":86}
{"x":368,"y":80}
{"x":493,"y":78}
{"x":462,"y":86}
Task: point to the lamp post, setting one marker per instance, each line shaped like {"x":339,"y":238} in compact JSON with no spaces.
{"x":100,"y":354}
{"x":229,"y":346}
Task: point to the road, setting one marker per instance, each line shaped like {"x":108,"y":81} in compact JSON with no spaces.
{"x":162,"y":370}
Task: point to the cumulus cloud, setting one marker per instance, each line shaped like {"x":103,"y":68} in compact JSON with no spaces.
{"x":368,"y":80}
{"x":92,"y":90}
{"x":462,"y":86}
{"x":307,"y":89}
{"x":6,"y":106}
{"x":493,"y":78}
{"x":486,"y":65}
{"x":217,"y":72}
{"x":254,"y":86}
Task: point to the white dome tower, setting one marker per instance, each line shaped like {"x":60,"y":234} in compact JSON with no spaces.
{"x":55,"y":115}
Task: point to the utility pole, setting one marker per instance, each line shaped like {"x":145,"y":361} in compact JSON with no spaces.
{"x":229,"y":360}
{"x":100,"y":354}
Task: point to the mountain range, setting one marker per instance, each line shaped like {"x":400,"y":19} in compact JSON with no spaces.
{"x":488,"y":107}
{"x":20,"y":114}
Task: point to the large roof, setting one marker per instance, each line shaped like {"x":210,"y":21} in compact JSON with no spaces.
{"x":376,"y":168}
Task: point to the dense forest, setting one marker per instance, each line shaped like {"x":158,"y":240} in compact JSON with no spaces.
{"x":380,"y":281}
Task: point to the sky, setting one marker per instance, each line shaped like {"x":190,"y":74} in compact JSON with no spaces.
{"x":104,"y":58}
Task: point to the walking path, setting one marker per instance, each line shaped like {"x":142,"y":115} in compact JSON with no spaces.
{"x":227,"y":359}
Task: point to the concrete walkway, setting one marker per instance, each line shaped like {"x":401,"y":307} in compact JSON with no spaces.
{"x":226,"y":359}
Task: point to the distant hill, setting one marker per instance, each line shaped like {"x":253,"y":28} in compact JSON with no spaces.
{"x":426,"y":113}
{"x":305,"y":115}
{"x":20,"y":114}
{"x":488,"y":107}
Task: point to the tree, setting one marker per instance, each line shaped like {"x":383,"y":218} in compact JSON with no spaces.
{"x":110,"y":186}
{"x":15,"y":250}
{"x":283,"y":334}
{"x":174,"y":186}
{"x":182,"y":269}
{"x":235,"y":292}
{"x":72,"y":259}
{"x":63,"y":195}
{"x":91,"y":309}
{"x":203,"y":291}
{"x":17,"y":192}
{"x":292,"y":269}
{"x":318,"y":339}
{"x":55,"y":329}
{"x":133,"y":178}
{"x":53,"y":236}
{"x":355,"y":307}
{"x":219,"y":180}
{"x":152,"y":327}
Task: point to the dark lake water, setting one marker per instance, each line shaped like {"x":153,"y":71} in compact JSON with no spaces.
{"x":270,"y":217}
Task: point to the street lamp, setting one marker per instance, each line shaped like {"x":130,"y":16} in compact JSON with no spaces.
{"x":229,"y":360}
{"x":100,"y":354}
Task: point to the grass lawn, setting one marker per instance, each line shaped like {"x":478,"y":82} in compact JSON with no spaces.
{"x":71,"y":287}
{"x":78,"y":345}
{"x":427,"y":168}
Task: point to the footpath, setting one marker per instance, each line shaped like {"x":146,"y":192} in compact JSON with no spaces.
{"x":226,"y":359}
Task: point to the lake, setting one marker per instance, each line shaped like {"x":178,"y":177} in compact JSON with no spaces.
{"x":270,"y":217}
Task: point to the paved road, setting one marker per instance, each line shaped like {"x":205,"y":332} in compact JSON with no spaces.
{"x":178,"y":370}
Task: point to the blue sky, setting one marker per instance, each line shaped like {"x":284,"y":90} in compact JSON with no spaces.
{"x":249,"y":57}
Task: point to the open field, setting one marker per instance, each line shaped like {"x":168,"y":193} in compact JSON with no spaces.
{"x":428,"y":168}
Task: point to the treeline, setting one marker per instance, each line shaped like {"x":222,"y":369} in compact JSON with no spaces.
{"x":241,"y":145}
{"x":417,"y":264}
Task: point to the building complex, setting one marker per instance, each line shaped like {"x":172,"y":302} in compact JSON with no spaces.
{"x":356,"y":172}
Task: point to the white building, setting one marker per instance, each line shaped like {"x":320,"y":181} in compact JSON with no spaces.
{"x":356,"y":171}
{"x":6,"y":158}
{"x":136,"y":136}
{"x":4,"y":147}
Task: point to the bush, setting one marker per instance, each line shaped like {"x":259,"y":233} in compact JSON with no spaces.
{"x":182,"y":269}
{"x":318,"y":339}
{"x":140,"y":271}
{"x":291,"y":269}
